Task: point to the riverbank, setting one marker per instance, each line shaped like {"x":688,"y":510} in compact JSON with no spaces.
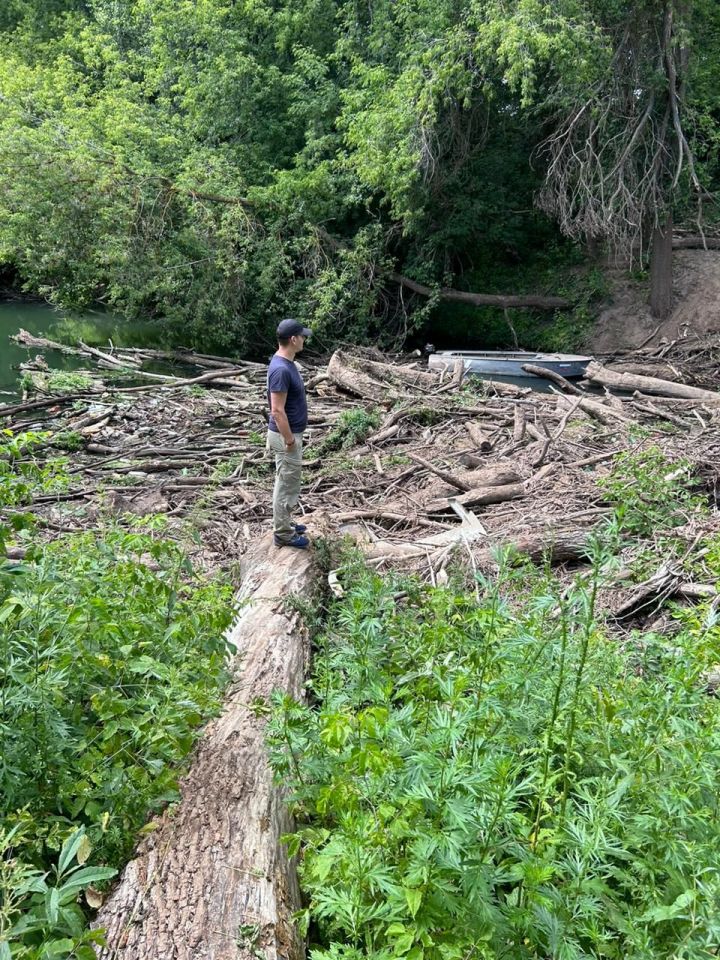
{"x":458,"y":485}
{"x":94,"y":327}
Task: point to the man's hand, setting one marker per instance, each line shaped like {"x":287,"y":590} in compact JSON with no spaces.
{"x":290,"y":443}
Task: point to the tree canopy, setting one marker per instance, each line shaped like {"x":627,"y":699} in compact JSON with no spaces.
{"x":218,"y":164}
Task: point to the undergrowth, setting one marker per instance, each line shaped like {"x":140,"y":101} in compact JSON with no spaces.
{"x":352,"y":428}
{"x":111,"y":657}
{"x":487,"y":773}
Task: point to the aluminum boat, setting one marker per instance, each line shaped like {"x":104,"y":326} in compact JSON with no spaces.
{"x":504,"y":363}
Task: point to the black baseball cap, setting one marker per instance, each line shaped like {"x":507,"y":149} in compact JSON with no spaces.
{"x":292,"y":328}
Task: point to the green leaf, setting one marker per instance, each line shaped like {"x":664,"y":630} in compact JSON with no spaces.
{"x":414,"y":899}
{"x":58,"y":948}
{"x":52,"y":905}
{"x":11,"y":606}
{"x":84,"y":850}
{"x":83,"y":878}
{"x":671,"y":911}
{"x":404,"y":943}
{"x":69,"y":849}
{"x":85,"y":953}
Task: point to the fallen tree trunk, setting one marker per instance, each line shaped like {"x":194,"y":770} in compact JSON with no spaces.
{"x":505,"y":301}
{"x":657,"y":369}
{"x":595,"y":408}
{"x":478,"y":436}
{"x":217,"y":863}
{"x":496,"y":475}
{"x":554,"y":377}
{"x":664,"y":388}
{"x":480,"y":497}
{"x":344,"y":374}
{"x":553,"y":546}
{"x":696,"y":243}
{"x":443,"y":474}
{"x":65,"y":398}
{"x":448,"y":293}
{"x":394,"y":373}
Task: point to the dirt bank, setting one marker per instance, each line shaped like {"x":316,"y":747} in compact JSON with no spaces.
{"x":627,"y":323}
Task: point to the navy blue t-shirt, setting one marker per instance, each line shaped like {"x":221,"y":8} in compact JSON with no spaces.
{"x":284,"y":377}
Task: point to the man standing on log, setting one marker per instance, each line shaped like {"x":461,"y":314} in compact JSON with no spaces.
{"x":288,"y":419}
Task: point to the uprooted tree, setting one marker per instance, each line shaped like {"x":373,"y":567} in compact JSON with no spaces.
{"x":629,"y":139}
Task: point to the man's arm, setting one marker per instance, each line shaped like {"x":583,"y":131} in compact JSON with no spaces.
{"x":277,"y":409}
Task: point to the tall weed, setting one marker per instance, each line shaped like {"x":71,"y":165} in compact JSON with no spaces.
{"x":111,"y":657}
{"x":488,"y":777}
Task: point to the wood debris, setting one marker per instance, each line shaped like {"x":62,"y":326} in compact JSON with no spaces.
{"x":521,"y":464}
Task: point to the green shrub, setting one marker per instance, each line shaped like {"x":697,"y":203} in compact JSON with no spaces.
{"x":487,"y":776}
{"x":40,"y":917}
{"x":22,"y":474}
{"x":68,"y":381}
{"x":352,"y":428}
{"x":648,"y":492}
{"x":112,"y":655}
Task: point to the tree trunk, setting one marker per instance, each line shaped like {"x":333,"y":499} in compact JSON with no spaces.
{"x":480,"y":497}
{"x":696,"y":242}
{"x":661,"y":270}
{"x":346,"y":376}
{"x":596,"y":373}
{"x":216,"y":864}
{"x":530,"y":300}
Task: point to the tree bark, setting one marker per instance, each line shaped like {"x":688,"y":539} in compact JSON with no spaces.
{"x":481,"y":440}
{"x":394,"y":373}
{"x":596,"y":409}
{"x":217,"y":863}
{"x":551,"y":375}
{"x":496,"y":475}
{"x":344,"y":375}
{"x":483,"y":299}
{"x":696,"y":243}
{"x":664,"y":388}
{"x":480,"y":497}
{"x":661,"y":270}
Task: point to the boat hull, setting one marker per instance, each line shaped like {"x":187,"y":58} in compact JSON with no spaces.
{"x":488,"y":364}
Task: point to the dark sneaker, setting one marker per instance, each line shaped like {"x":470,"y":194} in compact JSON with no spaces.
{"x":300,"y":527}
{"x":298,"y":541}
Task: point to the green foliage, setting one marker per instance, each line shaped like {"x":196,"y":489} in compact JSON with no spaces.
{"x":487,"y":775}
{"x":40,"y":919}
{"x":108,"y":668}
{"x":56,"y":381}
{"x":648,"y":492}
{"x":112,"y":655}
{"x":22,"y":474}
{"x":184,"y":162}
{"x":68,"y":381}
{"x":69,"y":440}
{"x":212,"y":166}
{"x":352,"y":428}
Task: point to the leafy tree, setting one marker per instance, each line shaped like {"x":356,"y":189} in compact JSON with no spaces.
{"x":213,"y":165}
{"x":628,"y":130}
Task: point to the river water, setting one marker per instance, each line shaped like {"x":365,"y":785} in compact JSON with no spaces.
{"x":92,"y":327}
{"x":96,"y":329}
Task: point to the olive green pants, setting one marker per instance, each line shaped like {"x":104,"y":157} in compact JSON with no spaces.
{"x":288,"y":470}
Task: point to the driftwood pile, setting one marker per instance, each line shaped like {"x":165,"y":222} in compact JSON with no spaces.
{"x":451,"y":461}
